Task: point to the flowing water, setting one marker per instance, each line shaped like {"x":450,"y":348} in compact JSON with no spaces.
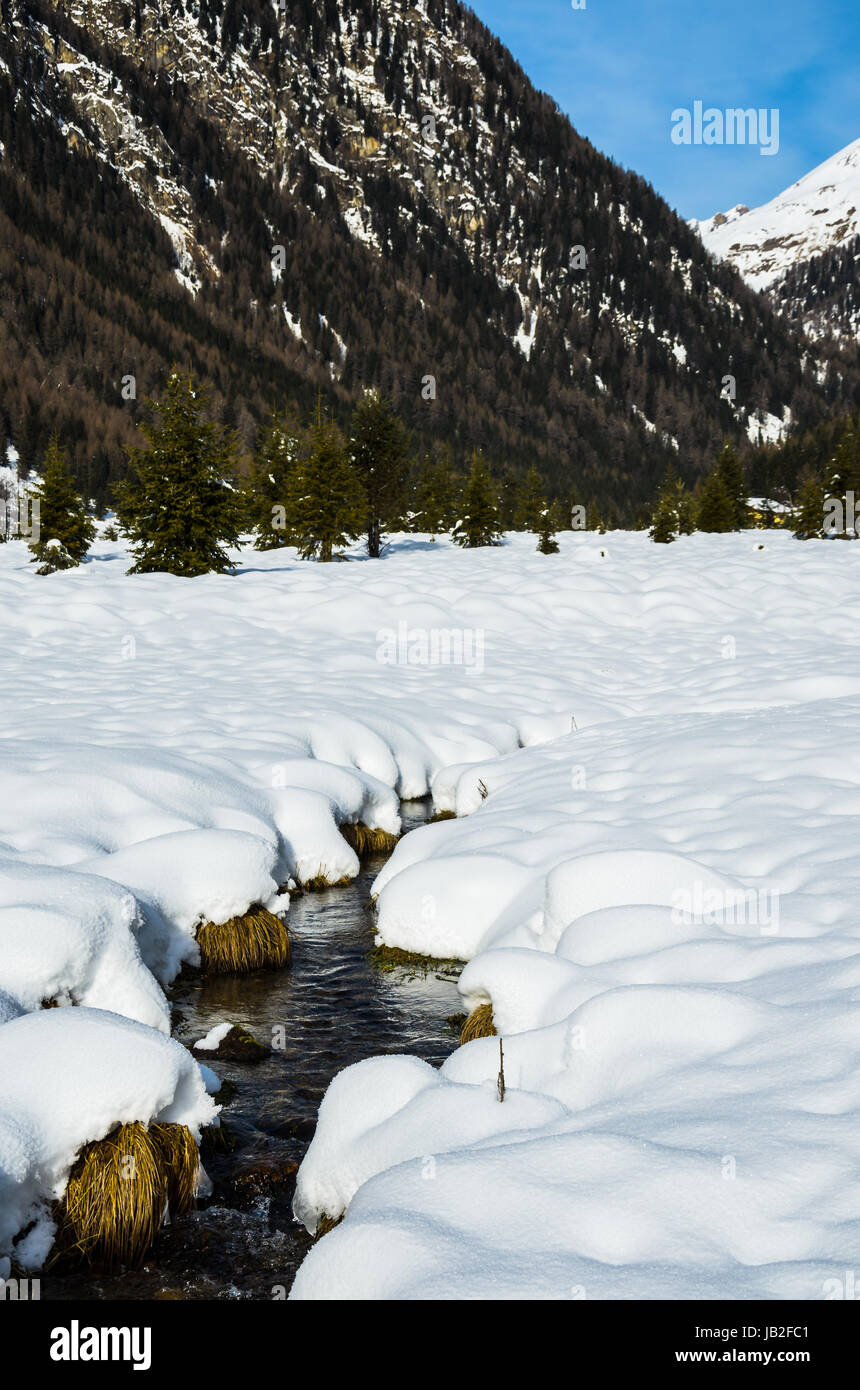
{"x":332,"y":1008}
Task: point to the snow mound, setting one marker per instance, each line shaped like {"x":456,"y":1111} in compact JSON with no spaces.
{"x":67,"y":1078}
{"x":72,"y":938}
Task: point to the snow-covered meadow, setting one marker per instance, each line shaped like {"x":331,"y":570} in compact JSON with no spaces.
{"x":654,"y":758}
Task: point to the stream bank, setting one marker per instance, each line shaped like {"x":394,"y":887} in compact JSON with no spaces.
{"x":332,"y":1008}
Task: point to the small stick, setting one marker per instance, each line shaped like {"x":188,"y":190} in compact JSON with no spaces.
{"x":501,"y":1072}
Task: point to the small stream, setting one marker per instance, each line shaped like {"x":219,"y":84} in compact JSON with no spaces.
{"x":332,"y":1008}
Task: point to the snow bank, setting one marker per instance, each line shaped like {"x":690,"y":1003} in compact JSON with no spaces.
{"x":672,"y":958}
{"x":68,"y":1077}
{"x":71,"y":938}
{"x":652,"y":752}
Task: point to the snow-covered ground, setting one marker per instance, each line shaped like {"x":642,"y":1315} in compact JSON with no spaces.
{"x":654,"y":754}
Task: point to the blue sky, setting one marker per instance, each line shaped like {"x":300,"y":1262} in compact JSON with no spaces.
{"x":620,"y":67}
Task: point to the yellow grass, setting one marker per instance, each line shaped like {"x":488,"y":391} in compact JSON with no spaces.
{"x":120,"y":1190}
{"x":366,"y":841}
{"x":257,"y":941}
{"x":479,"y":1024}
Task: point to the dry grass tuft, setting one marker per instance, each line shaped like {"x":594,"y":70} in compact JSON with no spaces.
{"x":320,"y":884}
{"x":479,"y":1024}
{"x":365,"y":841}
{"x":388,"y":958}
{"x":120,"y":1190}
{"x":326,"y":1224}
{"x":257,"y":941}
{"x":442,"y":815}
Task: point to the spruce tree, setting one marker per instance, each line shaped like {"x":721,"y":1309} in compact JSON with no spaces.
{"x":326,"y":504}
{"x":731,"y":471}
{"x":810,"y":511}
{"x":559,"y":516}
{"x":479,"y":522}
{"x":178,"y":506}
{"x":532,"y":503}
{"x":716,"y":508}
{"x":379,"y":453}
{"x":436,"y":494}
{"x":845,"y":468}
{"x":271,"y":469}
{"x":66,"y":531}
{"x":664,"y":522}
{"x":547,"y":544}
{"x":685,"y":510}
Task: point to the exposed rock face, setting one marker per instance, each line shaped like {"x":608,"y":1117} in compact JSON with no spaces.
{"x":441,"y":222}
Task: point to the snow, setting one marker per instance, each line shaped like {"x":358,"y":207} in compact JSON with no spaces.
{"x":820,"y":211}
{"x":652,"y":879}
{"x":67,"y":1077}
{"x":677,"y":964}
{"x":213,"y":1038}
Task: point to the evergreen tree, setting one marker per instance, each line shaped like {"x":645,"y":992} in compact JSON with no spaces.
{"x":547,"y":544}
{"x":66,"y":532}
{"x":674,"y":512}
{"x":178,"y":506}
{"x":685,"y":510}
{"x":532,"y":503}
{"x":845,"y":470}
{"x":731,"y":471}
{"x":436,"y":494}
{"x":268,"y":489}
{"x":559,"y":515}
{"x":326,"y":504}
{"x":379,"y":453}
{"x":810,"y":512}
{"x":664,"y":522}
{"x":716,"y":509}
{"x":479,"y":523}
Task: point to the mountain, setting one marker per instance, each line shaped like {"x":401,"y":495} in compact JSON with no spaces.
{"x":802,"y":247}
{"x":821,"y":296}
{"x":320,"y":196}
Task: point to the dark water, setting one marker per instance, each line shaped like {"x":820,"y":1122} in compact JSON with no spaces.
{"x":331,"y":1009}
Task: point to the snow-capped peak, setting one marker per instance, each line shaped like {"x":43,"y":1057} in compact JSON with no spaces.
{"x":819,"y":212}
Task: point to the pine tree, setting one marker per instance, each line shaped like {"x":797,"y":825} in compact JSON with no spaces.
{"x":845,"y":469}
{"x":674,"y":512}
{"x":731,"y":471}
{"x":810,"y":511}
{"x":268,"y":489}
{"x":509,"y":496}
{"x":436,"y":494}
{"x":326,"y":504}
{"x":379,"y":453}
{"x":664,"y":522}
{"x":178,"y":506}
{"x":66,"y":532}
{"x":685,"y":510}
{"x":716,"y":508}
{"x":559,"y":516}
{"x":532,"y":503}
{"x":547,"y":544}
{"x":479,"y":522}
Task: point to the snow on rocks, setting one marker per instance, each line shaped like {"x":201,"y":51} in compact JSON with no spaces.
{"x":68,"y":1077}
